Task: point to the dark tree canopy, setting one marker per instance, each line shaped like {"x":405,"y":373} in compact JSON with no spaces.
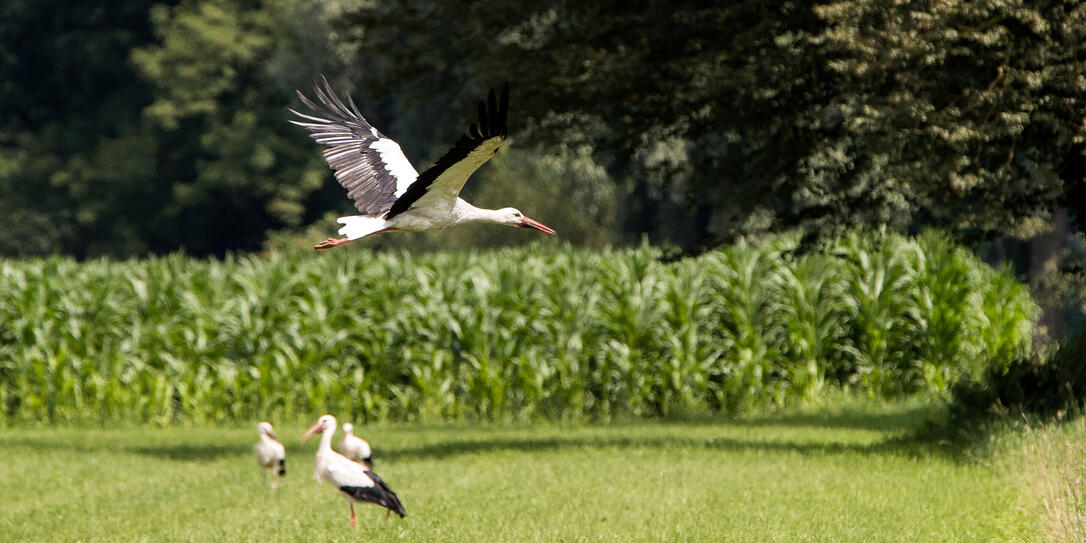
{"x":74,"y":159}
{"x":723,"y":119}
{"x":139,"y":127}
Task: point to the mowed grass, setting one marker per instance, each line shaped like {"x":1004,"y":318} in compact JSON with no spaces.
{"x":836,"y":475}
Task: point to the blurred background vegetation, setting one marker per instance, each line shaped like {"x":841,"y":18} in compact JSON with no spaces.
{"x":517,"y":333}
{"x":140,"y":127}
{"x":137,"y":127}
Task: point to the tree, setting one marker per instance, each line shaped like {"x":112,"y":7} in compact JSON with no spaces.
{"x":744,"y":117}
{"x":150,"y":127}
{"x":75,"y":164}
{"x":236,"y":168}
{"x":977,"y":108}
{"x":695,"y":123}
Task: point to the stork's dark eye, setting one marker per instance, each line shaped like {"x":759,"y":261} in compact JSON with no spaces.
{"x":517,"y":215}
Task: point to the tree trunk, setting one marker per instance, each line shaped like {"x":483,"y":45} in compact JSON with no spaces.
{"x":1046,"y":251}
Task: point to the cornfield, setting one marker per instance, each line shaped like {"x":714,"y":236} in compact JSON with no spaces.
{"x":536,"y":332}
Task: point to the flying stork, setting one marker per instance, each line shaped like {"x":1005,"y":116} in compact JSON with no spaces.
{"x":270,"y":453}
{"x":355,"y":481}
{"x":355,"y":448}
{"x":385,"y":187}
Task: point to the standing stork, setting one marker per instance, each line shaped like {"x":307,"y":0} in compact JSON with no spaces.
{"x":355,"y":481}
{"x":270,"y":453}
{"x":355,"y":448}
{"x":385,"y":187}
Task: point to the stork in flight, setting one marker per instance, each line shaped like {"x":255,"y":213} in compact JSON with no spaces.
{"x":385,"y":187}
{"x":355,"y":481}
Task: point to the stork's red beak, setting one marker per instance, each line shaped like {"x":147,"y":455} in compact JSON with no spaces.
{"x":315,"y":429}
{"x":529,"y":223}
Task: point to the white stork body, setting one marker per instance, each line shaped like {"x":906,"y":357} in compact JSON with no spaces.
{"x":270,"y":453}
{"x":383,"y":184}
{"x":354,"y":481}
{"x":355,"y":448}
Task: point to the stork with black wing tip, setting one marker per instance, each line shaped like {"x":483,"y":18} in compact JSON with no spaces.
{"x":357,"y":483}
{"x":270,"y":453}
{"x":385,"y":187}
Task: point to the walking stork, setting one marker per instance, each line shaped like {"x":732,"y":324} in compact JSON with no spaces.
{"x":355,"y":481}
{"x":270,"y":453}
{"x":385,"y":187}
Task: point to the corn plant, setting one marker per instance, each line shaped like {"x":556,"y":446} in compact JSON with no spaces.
{"x":948,"y":306}
{"x":749,"y":327}
{"x":884,"y":310}
{"x":814,"y":312}
{"x":535,"y":332}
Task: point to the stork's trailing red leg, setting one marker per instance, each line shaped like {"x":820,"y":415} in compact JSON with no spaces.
{"x":352,"y":514}
{"x":331,"y":242}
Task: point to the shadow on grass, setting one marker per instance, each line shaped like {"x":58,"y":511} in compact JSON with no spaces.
{"x":181,"y":452}
{"x":897,"y":446}
{"x":912,"y":433}
{"x":187,"y":453}
{"x":853,"y":418}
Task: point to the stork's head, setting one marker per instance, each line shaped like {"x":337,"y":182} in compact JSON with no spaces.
{"x":348,"y":427}
{"x":265,"y":428}
{"x":513,"y":217}
{"x":327,"y":423}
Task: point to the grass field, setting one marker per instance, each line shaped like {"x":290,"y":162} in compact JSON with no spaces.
{"x":845,"y":475}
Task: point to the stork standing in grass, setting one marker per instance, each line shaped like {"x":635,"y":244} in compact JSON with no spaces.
{"x":270,"y":453}
{"x":385,"y":187}
{"x":355,"y":481}
{"x":354,"y":447}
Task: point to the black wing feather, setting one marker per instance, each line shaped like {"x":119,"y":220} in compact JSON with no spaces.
{"x":379,"y":494}
{"x":493,"y":115}
{"x":351,"y":154}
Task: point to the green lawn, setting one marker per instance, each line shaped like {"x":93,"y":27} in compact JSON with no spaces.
{"x":826,"y":476}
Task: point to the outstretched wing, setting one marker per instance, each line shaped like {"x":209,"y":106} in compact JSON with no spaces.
{"x":441,"y":183}
{"x":368,"y":164}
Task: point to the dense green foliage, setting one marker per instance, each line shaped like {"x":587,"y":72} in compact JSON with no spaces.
{"x":1042,"y":385}
{"x":537,"y":332}
{"x":834,"y":475}
{"x":749,"y":116}
{"x":134,"y":127}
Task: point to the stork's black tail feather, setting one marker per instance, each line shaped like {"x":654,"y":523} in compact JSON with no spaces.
{"x":282,"y":467}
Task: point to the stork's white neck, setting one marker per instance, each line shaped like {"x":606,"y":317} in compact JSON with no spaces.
{"x":465,"y":212}
{"x":326,"y":441}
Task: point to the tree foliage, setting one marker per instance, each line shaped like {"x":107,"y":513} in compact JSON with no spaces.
{"x":147,"y":127}
{"x":242,"y":169}
{"x":75,"y":157}
{"x":746,"y":116}
{"x":975,"y":109}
